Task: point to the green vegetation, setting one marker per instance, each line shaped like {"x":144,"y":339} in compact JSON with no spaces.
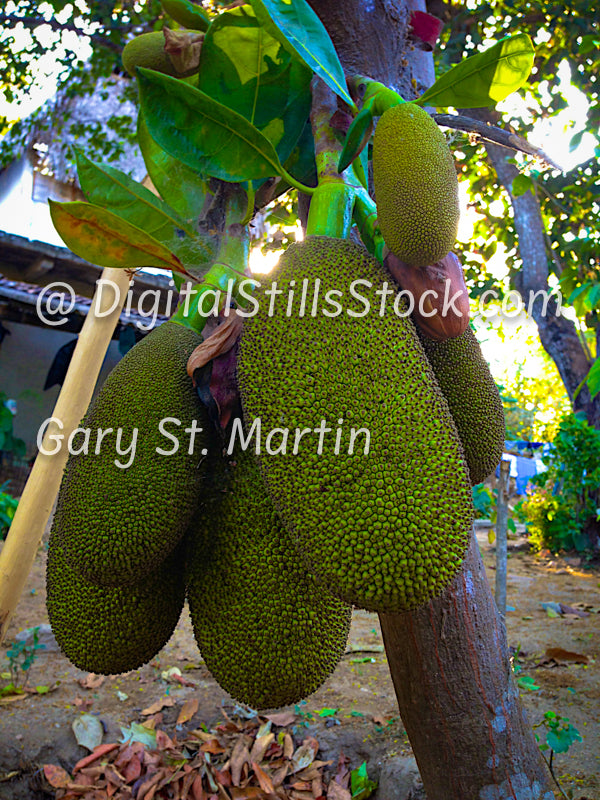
{"x":148,"y":50}
{"x":415,"y":186}
{"x":117,"y":524}
{"x":21,"y":655}
{"x":475,"y":404}
{"x":112,"y":630}
{"x":9,"y":443}
{"x":8,"y":507}
{"x":562,"y":513}
{"x":388,"y":530}
{"x":269,"y":634}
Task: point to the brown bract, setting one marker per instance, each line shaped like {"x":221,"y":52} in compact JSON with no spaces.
{"x":439,"y":292}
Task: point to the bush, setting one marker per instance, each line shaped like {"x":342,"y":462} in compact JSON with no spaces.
{"x":8,"y":506}
{"x":562,"y":511}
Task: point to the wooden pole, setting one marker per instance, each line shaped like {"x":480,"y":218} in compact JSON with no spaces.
{"x":502,"y":536}
{"x":42,"y":486}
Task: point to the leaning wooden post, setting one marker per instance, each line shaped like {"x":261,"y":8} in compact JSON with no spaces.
{"x":42,"y":486}
{"x":502,"y":536}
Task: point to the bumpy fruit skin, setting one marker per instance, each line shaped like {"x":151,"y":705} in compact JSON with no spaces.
{"x":148,"y":50}
{"x":112,"y":630}
{"x":416,"y":187}
{"x":117,"y":525}
{"x":269,"y":634}
{"x":473,"y":397}
{"x":386,"y":531}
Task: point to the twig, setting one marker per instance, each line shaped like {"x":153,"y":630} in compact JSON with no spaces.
{"x":490,"y":133}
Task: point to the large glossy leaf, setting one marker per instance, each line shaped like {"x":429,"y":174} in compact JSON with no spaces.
{"x":182,"y":187}
{"x":593,"y":379}
{"x":245,"y":68}
{"x":203,"y":133}
{"x":103,"y":238}
{"x":486,"y":78}
{"x":110,"y":188}
{"x":300,"y":30}
{"x":187,"y":14}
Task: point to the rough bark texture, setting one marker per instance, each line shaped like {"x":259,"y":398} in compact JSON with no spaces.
{"x":458,"y":699}
{"x":449,"y":661}
{"x":557,"y":333}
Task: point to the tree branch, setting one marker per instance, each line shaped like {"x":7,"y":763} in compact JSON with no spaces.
{"x":490,"y":133}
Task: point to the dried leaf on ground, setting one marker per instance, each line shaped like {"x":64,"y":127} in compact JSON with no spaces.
{"x":163,"y":702}
{"x":189,"y":708}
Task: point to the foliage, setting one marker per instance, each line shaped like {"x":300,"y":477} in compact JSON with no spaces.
{"x":483,"y":501}
{"x":563,"y":507}
{"x":8,"y":507}
{"x":21,"y":657}
{"x":9,"y":443}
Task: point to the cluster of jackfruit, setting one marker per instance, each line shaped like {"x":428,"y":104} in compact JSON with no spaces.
{"x":473,"y":397}
{"x":269,"y":634}
{"x":416,"y":188}
{"x":388,"y":530}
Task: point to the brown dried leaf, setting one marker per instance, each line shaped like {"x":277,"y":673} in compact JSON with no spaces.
{"x":189,"y":708}
{"x":282,"y":718}
{"x":575,"y":610}
{"x":288,"y":746}
{"x":260,"y":746}
{"x":83,"y":704}
{"x":197,"y":790}
{"x":219,"y":342}
{"x":337,"y":792}
{"x":213,"y":746}
{"x":317,"y":787}
{"x":91,"y":681}
{"x":247,"y":793}
{"x":305,"y":754}
{"x":239,"y":757}
{"x":163,"y":702}
{"x":566,"y":656}
{"x":57,"y":777}
{"x":99,"y":752}
{"x":278,"y":776}
{"x":133,"y":770}
{"x":264,"y":781}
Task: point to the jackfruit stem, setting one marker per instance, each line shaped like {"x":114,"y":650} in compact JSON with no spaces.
{"x":330,"y":211}
{"x":365,"y":217}
{"x":382,"y":96}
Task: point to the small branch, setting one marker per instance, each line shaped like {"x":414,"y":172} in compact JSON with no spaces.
{"x":490,"y":133}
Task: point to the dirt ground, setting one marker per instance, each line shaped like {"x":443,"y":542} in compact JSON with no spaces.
{"x":37,"y":729}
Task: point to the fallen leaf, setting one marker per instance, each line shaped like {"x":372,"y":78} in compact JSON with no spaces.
{"x":189,"y":708}
{"x":91,"y":681}
{"x":282,"y":718}
{"x":264,"y":781}
{"x":99,"y":752}
{"x":337,"y":792}
{"x":57,"y":777}
{"x":239,"y":757}
{"x":305,"y":754}
{"x":260,"y":746}
{"x":578,"y":612}
{"x":566,"y":656}
{"x":88,"y":731}
{"x":163,"y":702}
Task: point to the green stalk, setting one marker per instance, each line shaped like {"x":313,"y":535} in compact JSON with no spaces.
{"x":365,"y":217}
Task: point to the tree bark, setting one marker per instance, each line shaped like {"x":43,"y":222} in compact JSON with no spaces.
{"x":457,"y":695}
{"x":558,"y":334}
{"x":449,"y":660}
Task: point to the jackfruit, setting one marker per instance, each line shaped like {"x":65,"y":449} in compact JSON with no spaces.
{"x":118,"y":524}
{"x":269,"y":634}
{"x":416,"y":188}
{"x":116,"y":629}
{"x":387,"y":530}
{"x":473,"y":397}
{"x":148,"y":50}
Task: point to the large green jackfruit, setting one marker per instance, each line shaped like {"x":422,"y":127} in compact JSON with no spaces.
{"x":387,"y":530}
{"x":109,"y":630}
{"x":269,"y":634}
{"x":416,"y":187}
{"x":118,"y":524}
{"x":473,"y":397}
{"x":148,"y":50}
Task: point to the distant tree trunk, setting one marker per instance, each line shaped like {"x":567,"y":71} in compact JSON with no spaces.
{"x":558,"y":334}
{"x":449,"y":660}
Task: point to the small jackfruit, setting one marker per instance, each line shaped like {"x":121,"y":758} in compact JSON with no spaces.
{"x":416,"y":188}
{"x":473,"y":397}
{"x":118,"y":523}
{"x":148,"y":50}
{"x":112,"y":630}
{"x":269,"y":634}
{"x":386,"y":530}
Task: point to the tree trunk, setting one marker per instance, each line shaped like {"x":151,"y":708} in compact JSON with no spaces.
{"x":457,"y":696}
{"x":449,"y":660}
{"x":558,"y":334}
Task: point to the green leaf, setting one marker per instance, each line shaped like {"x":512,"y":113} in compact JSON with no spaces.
{"x":103,"y":238}
{"x":360,"y":783}
{"x":527,"y":682}
{"x":576,"y":140}
{"x":593,"y":378}
{"x":521,"y":185}
{"x":589,"y":42}
{"x":328,"y":712}
{"x":248,"y":70}
{"x":183,"y":188}
{"x":188,"y":14}
{"x":299,"y":29}
{"x":203,"y":133}
{"x":486,"y":78}
{"x":110,"y":188}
